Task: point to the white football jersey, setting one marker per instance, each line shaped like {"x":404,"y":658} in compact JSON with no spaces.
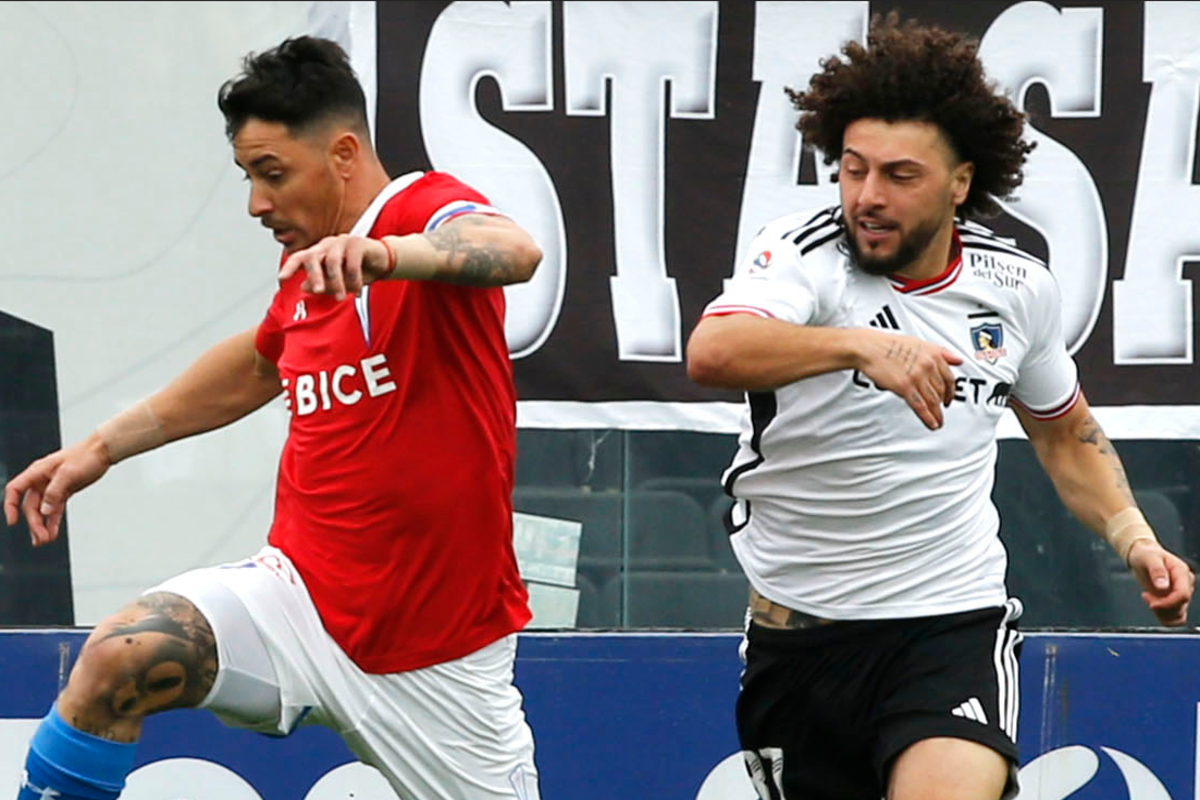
{"x":848,"y":506}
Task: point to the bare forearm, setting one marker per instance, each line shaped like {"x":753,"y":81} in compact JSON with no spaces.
{"x":754,"y":354}
{"x":474,"y":250}
{"x":1086,"y":470}
{"x":223,"y":385}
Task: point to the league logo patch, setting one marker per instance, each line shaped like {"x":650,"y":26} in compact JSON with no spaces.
{"x":988,"y":340}
{"x":761,"y":261}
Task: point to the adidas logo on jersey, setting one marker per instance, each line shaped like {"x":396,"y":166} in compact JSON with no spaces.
{"x":971,"y":709}
{"x":885,"y":319}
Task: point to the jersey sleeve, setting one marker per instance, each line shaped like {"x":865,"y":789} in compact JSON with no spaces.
{"x":1048,"y":382}
{"x":770,"y":281}
{"x":268,"y":340}
{"x":430,"y":202}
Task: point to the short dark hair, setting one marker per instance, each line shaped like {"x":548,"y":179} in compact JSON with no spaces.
{"x":910,"y":72}
{"x":303,"y":82}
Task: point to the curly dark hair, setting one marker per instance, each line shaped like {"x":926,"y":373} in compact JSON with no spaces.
{"x":302,"y":82}
{"x":911,"y":72}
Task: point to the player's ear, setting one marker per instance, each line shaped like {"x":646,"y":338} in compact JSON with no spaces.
{"x":343,"y":151}
{"x":960,"y":181}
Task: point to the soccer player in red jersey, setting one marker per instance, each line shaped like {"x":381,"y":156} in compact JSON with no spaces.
{"x":387,"y":600}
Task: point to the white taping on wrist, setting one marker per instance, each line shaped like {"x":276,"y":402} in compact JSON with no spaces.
{"x":135,"y":430}
{"x":1126,"y":527}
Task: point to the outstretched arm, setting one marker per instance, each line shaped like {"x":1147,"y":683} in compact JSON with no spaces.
{"x":743,"y":351}
{"x":1091,"y":481}
{"x":473,"y":250}
{"x":223,"y":385}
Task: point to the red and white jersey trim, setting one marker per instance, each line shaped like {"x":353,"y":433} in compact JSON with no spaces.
{"x":1053,"y":412}
{"x":366,"y":222}
{"x":723,"y":311}
{"x":929,"y":285}
{"x":457,"y":209}
{"x":362,"y":227}
{"x":938,"y":282}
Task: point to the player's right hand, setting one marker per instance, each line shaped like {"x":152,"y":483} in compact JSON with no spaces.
{"x":915,"y":370}
{"x":40,"y":492}
{"x":1166,"y":578}
{"x":339,"y":265}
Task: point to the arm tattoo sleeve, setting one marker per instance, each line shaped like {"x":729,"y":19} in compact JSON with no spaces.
{"x":471,"y":264}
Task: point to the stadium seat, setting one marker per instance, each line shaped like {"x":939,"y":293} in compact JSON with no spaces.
{"x":667,"y":531}
{"x":703,"y":490}
{"x":595,"y":609}
{"x":711,"y":497}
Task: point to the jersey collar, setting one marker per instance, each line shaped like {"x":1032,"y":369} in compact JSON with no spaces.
{"x":367,"y":221}
{"x":937,"y":282}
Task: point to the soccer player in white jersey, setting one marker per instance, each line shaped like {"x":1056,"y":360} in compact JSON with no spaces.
{"x":879,"y":343}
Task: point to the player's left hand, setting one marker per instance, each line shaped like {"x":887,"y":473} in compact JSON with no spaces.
{"x":339,"y":265}
{"x":1167,"y":579}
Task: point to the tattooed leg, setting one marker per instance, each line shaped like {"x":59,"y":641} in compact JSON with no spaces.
{"x":155,"y":654}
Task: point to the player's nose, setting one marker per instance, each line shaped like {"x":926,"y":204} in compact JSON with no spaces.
{"x":260,"y":204}
{"x":871,"y":194}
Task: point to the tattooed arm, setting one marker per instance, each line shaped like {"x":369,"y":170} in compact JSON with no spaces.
{"x":1091,"y":481}
{"x":1082,"y":463}
{"x":473,"y":250}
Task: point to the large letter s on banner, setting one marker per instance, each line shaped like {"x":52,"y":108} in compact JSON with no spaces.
{"x":510,"y":43}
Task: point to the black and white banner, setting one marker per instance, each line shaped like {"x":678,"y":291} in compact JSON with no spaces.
{"x":644,"y":143}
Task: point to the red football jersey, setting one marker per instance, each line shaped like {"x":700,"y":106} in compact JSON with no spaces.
{"x":395,"y":484}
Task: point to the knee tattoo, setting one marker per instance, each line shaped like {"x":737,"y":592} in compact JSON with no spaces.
{"x":158,"y":654}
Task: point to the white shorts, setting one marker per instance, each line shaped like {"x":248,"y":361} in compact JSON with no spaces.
{"x":451,"y":731}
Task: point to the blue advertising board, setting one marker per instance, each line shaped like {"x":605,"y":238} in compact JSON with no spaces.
{"x":1103,"y":717}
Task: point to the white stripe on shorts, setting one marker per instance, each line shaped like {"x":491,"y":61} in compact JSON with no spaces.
{"x":1007,"y":678}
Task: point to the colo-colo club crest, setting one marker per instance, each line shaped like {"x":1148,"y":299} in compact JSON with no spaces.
{"x":988,"y":340}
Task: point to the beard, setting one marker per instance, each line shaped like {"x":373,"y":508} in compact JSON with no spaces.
{"x":912,"y":245}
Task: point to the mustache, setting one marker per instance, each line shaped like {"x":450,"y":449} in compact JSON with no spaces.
{"x":875,"y":218}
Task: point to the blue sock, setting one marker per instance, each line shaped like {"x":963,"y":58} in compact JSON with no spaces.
{"x":68,"y":764}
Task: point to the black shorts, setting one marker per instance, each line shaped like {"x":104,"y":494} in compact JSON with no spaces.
{"x":824,"y":711}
